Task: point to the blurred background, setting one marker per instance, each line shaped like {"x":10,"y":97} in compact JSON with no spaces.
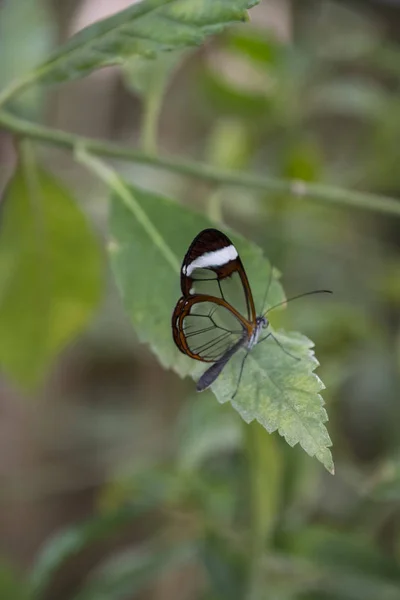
{"x":155,"y":488}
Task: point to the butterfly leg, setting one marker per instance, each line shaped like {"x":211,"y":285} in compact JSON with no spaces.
{"x":279,"y":344}
{"x":240,"y":374}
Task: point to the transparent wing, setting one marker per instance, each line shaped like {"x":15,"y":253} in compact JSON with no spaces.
{"x":206,"y":329}
{"x":213,"y":267}
{"x":230,"y":289}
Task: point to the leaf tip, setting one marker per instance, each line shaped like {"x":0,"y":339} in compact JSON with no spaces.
{"x":325,"y":457}
{"x":329,"y":464}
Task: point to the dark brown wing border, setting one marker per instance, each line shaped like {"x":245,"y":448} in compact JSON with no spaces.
{"x":210,"y":240}
{"x":183,"y":309}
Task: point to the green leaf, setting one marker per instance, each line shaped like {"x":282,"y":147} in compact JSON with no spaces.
{"x":134,"y":255}
{"x":131,"y":571}
{"x":50,"y":273}
{"x":225,"y":566}
{"x":303,"y":161}
{"x":146,"y":76}
{"x":225,"y":97}
{"x":205,"y":431}
{"x":278,"y":391}
{"x":351,"y":566}
{"x":350,"y":550}
{"x":259,"y":45}
{"x":26,"y":39}
{"x":73,"y":540}
{"x":304,"y":579}
{"x":143,"y":29}
{"x":281,"y":393}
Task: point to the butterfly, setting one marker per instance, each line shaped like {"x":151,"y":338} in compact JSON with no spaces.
{"x":208,"y":325}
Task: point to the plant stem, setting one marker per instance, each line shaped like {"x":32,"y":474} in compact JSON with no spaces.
{"x":311,"y":191}
{"x":265,"y":470}
{"x":214,"y":207}
{"x":89,"y":35}
{"x":256,"y":530}
{"x":152,"y":107}
{"x":118,"y":186}
{"x":16,"y":87}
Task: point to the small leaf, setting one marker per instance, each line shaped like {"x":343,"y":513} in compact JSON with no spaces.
{"x":205,"y":431}
{"x":225,"y":567}
{"x":131,"y":571}
{"x":225,"y":97}
{"x":49,"y":273}
{"x":146,"y":76}
{"x":26,"y":39}
{"x":73,"y":540}
{"x":144,"y":29}
{"x":303,"y":579}
{"x":303,"y":162}
{"x":259,"y":45}
{"x":352,"y":566}
{"x":280,"y":392}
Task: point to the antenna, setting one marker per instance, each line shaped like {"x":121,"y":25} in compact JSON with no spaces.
{"x":298,"y":296}
{"x":271,"y":269}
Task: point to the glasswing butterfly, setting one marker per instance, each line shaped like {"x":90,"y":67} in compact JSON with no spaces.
{"x":215,"y":319}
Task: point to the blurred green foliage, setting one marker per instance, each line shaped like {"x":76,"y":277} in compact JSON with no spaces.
{"x":45,"y":299}
{"x":220,"y":508}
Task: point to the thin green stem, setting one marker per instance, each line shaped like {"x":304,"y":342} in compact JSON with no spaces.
{"x":214,"y":207}
{"x":68,"y":53}
{"x":152,"y":108}
{"x":264,"y":470}
{"x":16,"y":87}
{"x":299,"y":189}
{"x":39,"y":227}
{"x":115,"y":183}
{"x":253,"y":445}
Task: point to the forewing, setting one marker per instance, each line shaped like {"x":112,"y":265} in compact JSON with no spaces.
{"x":213,"y":267}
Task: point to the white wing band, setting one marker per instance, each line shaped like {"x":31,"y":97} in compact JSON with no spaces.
{"x":216,"y":258}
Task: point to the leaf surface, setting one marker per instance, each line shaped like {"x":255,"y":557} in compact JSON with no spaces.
{"x":132,"y":571}
{"x":73,"y":540}
{"x":50,"y":274}
{"x":278,"y":391}
{"x":143,"y":29}
{"x":26,"y":40}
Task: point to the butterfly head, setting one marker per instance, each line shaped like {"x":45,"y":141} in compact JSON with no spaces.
{"x":262,"y":322}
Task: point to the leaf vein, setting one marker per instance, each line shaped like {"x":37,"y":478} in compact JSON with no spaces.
{"x":293,"y":409}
